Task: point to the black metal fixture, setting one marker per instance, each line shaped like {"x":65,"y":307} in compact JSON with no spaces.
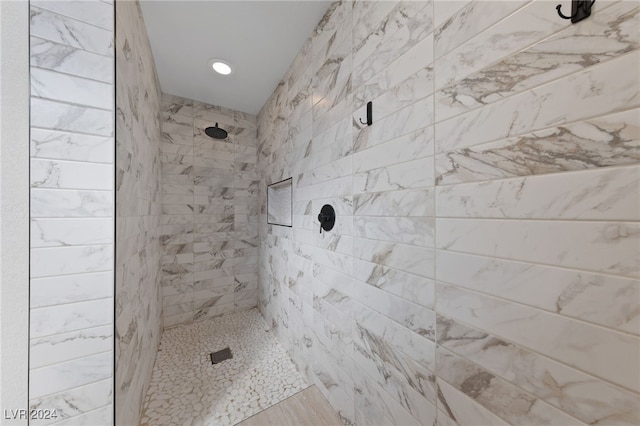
{"x":369,"y":114}
{"x":327,"y":218}
{"x":219,"y":356}
{"x":580,"y":9}
{"x":216,"y":132}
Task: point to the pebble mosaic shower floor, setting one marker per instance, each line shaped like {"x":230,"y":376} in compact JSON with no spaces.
{"x":186,"y":389}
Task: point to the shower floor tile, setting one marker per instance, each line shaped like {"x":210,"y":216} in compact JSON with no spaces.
{"x":186,"y":389}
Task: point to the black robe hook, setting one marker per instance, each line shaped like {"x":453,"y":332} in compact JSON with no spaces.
{"x":580,"y":9}
{"x":369,"y":114}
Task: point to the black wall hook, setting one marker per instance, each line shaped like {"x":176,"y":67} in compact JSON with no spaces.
{"x":580,"y":9}
{"x":369,"y":114}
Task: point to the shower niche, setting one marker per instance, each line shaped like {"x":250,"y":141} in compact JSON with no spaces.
{"x":280,"y":203}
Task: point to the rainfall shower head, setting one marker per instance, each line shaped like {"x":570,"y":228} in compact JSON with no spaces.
{"x":216,"y":132}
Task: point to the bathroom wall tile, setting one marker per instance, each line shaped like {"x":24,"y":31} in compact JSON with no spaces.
{"x":393,"y":45}
{"x":496,"y":394}
{"x":68,"y":88}
{"x":456,"y":408}
{"x":601,"y":194}
{"x":597,"y":142}
{"x":66,"y":375}
{"x":413,"y":259}
{"x":548,"y":105}
{"x":409,"y":175}
{"x":61,"y":347}
{"x":70,"y":317}
{"x":70,"y":146}
{"x":46,"y":54}
{"x":65,"y":117}
{"x":68,"y":232}
{"x":206,"y":183}
{"x":61,"y":290}
{"x":96,"y":13}
{"x":527,"y":26}
{"x":563,"y":387}
{"x":612,"y":32}
{"x":408,"y":286}
{"x":75,"y":401}
{"x":71,"y":203}
{"x":71,"y":32}
{"x":573,"y":293}
{"x":409,"y":147}
{"x":53,"y":261}
{"x":71,"y":175}
{"x":560,"y":338}
{"x":138,"y":254}
{"x":593,"y":246}
{"x":468,"y":22}
{"x":376,"y":361}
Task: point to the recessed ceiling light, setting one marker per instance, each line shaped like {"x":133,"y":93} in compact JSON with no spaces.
{"x":220,"y":66}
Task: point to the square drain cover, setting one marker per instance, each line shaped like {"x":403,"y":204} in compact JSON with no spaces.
{"x":217,"y":357}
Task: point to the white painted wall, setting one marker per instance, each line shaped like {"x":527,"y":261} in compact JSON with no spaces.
{"x":14,"y":202}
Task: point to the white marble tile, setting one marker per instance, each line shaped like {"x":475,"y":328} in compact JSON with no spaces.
{"x":70,"y":175}
{"x":577,"y":393}
{"x":71,"y":203}
{"x":593,"y":246}
{"x":75,"y":401}
{"x":571,"y":293}
{"x":468,"y":22}
{"x":600,"y":194}
{"x":92,"y":12}
{"x":59,"y":116}
{"x":598,"y":142}
{"x":63,"y":58}
{"x":60,"y":29}
{"x":58,"y":319}
{"x":560,"y":338}
{"x":527,"y":26}
{"x":69,"y":374}
{"x":53,"y":261}
{"x":569,"y":99}
{"x":413,"y":259}
{"x":56,"y":86}
{"x":406,"y":148}
{"x":62,"y":347}
{"x":408,"y":175}
{"x":497,"y":395}
{"x":61,"y":290}
{"x":70,"y":146}
{"x":68,"y":232}
{"x":612,"y":32}
{"x":407,"y":230}
{"x":459,"y":409}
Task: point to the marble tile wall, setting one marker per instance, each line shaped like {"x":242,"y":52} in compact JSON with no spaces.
{"x":485,"y":261}
{"x":208,"y":231}
{"x":138,"y":209}
{"x":72,"y":211}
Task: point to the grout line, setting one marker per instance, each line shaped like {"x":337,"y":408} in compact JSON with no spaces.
{"x":68,"y":74}
{"x":77,"y":358}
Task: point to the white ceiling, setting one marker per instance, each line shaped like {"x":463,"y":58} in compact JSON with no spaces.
{"x":259,"y":38}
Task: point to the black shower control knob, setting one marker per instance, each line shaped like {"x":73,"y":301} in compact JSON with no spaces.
{"x":327,"y":218}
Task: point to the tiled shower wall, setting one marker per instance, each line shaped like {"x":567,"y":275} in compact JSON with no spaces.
{"x":209,"y":203}
{"x":72,"y":207}
{"x":138,"y":209}
{"x":484,"y":264}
